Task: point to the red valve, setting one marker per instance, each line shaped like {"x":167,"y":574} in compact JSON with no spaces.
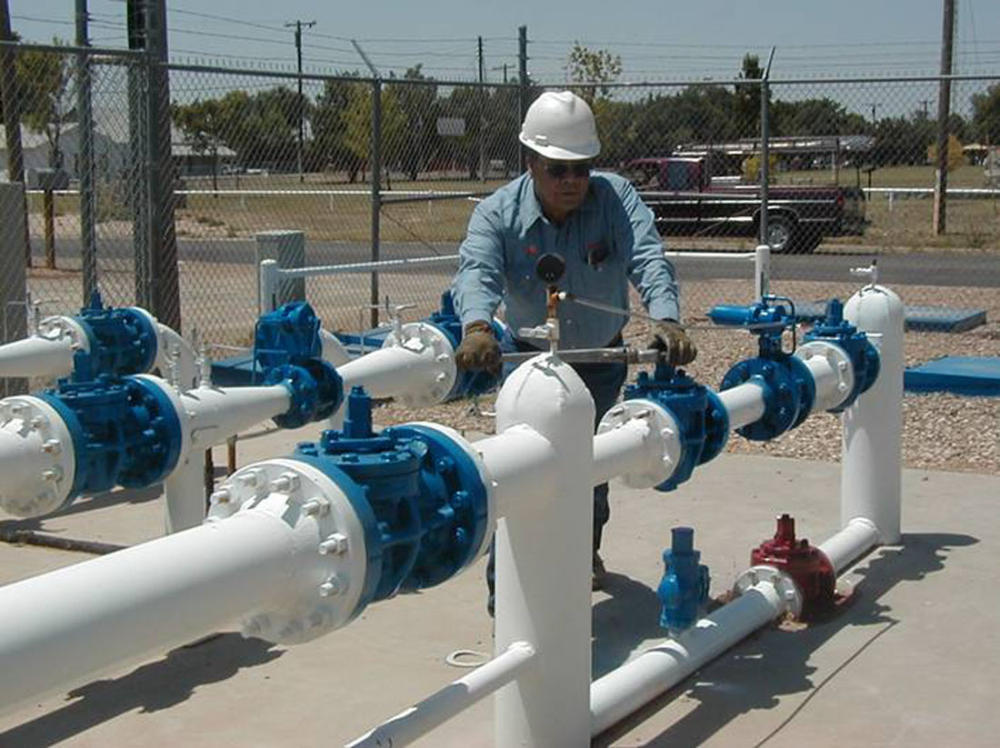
{"x":807,"y":565}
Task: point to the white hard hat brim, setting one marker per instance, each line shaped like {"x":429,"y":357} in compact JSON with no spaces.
{"x":584,"y":152}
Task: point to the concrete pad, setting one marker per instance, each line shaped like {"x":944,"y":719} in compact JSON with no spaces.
{"x":912,"y":658}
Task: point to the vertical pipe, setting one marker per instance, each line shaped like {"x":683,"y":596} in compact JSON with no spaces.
{"x":762,"y":270}
{"x":184,"y":491}
{"x":88,"y":197}
{"x":543,"y":559}
{"x":870,"y":468}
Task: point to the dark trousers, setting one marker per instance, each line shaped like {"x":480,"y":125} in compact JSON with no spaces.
{"x":604,"y":381}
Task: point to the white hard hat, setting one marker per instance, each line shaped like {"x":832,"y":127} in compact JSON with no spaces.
{"x":559,"y":125}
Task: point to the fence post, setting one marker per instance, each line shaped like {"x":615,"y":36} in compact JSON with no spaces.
{"x":376,"y":151}
{"x":49,"y":219}
{"x":522,"y":86}
{"x":88,"y":241}
{"x":765,"y":149}
{"x":162,"y":178}
{"x":13,"y":282}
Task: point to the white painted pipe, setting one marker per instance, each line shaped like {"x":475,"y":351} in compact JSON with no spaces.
{"x":744,"y":403}
{"x":830,"y":386}
{"x":857,"y":538}
{"x":543,"y":565}
{"x":37,"y":356}
{"x":174,"y":356}
{"x":622,"y":450}
{"x":332,"y":350}
{"x":519,"y":462}
{"x":213,"y":414}
{"x":64,"y":627}
{"x":421,"y":718}
{"x":184,"y":492}
{"x":873,"y":425}
{"x":762,"y":270}
{"x":627,"y":688}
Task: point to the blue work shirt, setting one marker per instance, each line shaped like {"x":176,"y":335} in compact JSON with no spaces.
{"x":508,"y":233}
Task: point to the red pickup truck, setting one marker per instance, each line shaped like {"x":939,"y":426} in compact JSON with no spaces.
{"x":686,"y":200}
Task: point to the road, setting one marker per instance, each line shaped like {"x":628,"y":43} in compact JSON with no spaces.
{"x":924,"y":268}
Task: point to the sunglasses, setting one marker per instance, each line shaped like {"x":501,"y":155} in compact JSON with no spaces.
{"x":560,"y":169}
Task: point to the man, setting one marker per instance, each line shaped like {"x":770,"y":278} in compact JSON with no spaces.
{"x":606,"y":236}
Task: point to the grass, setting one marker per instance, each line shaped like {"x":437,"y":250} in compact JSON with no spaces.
{"x":903,"y":225}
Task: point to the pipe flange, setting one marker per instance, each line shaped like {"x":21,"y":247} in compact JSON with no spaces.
{"x":428,"y":340}
{"x":57,"y":327}
{"x":25,"y":414}
{"x":328,"y":586}
{"x":784,"y":587}
{"x":663,"y":439}
{"x":839,"y":360}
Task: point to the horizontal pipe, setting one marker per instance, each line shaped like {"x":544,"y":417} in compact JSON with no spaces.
{"x":624,"y":690}
{"x":332,"y":350}
{"x":56,"y":631}
{"x":857,"y":538}
{"x":622,"y":450}
{"x":519,"y":461}
{"x":36,"y":356}
{"x":828,"y":384}
{"x":744,"y":403}
{"x":391,"y":371}
{"x":421,"y":718}
{"x":215,"y":414}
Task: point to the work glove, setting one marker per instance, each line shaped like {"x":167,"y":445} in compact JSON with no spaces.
{"x":479,"y":349}
{"x":673,"y":339}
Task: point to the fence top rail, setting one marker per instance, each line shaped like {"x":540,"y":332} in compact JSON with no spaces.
{"x":66,"y":49}
{"x":353,"y":267}
{"x":417,"y":194}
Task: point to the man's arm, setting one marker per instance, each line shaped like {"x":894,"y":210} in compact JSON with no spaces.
{"x":648,"y":270}
{"x":479,"y":283}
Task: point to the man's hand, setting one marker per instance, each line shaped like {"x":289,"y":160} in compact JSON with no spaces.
{"x":673,"y":339}
{"x":479,"y":349}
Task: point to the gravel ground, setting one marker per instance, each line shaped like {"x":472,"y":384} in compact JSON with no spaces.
{"x":940,"y":431}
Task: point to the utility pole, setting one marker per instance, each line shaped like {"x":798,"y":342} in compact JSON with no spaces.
{"x":522,"y":98}
{"x":12,"y":116}
{"x":925,"y":103}
{"x":944,"y":110}
{"x":874,"y":106}
{"x":297,"y":25}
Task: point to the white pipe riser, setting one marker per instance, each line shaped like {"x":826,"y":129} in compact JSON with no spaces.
{"x":872,"y":445}
{"x":543,"y":560}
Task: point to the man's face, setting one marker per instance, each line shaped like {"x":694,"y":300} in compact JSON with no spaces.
{"x":561,"y":186}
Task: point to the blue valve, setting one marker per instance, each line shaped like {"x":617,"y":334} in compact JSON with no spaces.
{"x":122,"y":341}
{"x":419,"y":495}
{"x":291,"y":331}
{"x":700,"y":415}
{"x":683,"y":591}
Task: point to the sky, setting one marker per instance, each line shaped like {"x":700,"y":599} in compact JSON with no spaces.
{"x":657,"y":41}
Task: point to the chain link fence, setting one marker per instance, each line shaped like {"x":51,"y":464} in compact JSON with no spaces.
{"x":382,"y":169}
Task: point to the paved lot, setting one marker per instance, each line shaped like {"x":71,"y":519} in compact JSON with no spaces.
{"x":912,"y":659}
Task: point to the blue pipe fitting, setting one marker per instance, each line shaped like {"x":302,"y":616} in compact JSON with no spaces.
{"x":683,"y":591}
{"x":700,"y":415}
{"x":833,"y":328}
{"x":291,"y":331}
{"x":418,"y":493}
{"x":125,"y":432}
{"x":122,"y":342}
{"x":789,"y":392}
{"x":315,"y":388}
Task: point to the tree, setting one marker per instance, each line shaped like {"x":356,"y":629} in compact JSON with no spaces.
{"x":986,"y":115}
{"x":46,"y":104}
{"x":417,"y":105}
{"x":954,"y":151}
{"x":203,"y":125}
{"x":747,"y":104}
{"x":329,"y":147}
{"x":592,"y":67}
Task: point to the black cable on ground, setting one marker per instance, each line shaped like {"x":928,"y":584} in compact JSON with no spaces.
{"x":29,"y":537}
